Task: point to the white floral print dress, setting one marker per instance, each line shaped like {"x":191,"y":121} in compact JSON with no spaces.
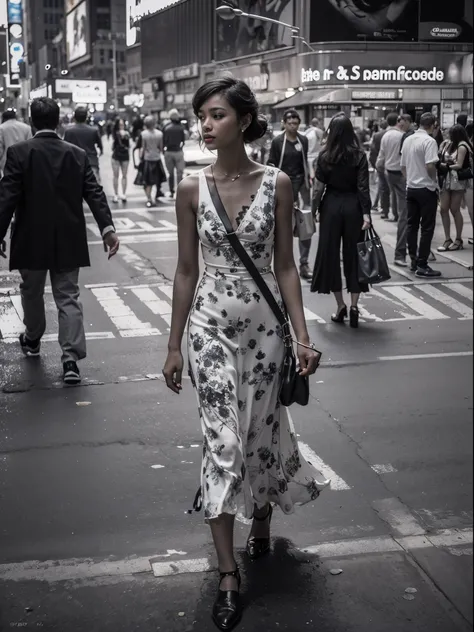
{"x":250,"y":451}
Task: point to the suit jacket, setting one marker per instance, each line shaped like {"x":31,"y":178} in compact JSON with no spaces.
{"x":44,"y":183}
{"x":12,"y":132}
{"x":375,"y":147}
{"x":87,"y":138}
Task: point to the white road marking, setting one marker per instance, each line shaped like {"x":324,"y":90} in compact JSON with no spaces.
{"x":415,"y":303}
{"x":140,"y":239}
{"x":137,"y":209}
{"x":89,"y":286}
{"x":312,"y":317}
{"x":337,"y":483}
{"x":151,"y":300}
{"x":462,"y":290}
{"x":455,"y":541}
{"x":157,"y":467}
{"x":397,"y":516}
{"x":167,"y":290}
{"x":426,"y":356}
{"x":11,"y":324}
{"x":384,"y":468}
{"x":126,"y":321}
{"x":449,"y":301}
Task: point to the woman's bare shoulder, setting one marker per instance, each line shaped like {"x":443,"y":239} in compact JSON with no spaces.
{"x":188,"y":188}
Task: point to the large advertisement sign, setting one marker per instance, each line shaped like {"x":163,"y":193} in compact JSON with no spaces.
{"x":442,"y":21}
{"x":391,"y":20}
{"x":15,"y":39}
{"x":77,"y":28}
{"x":137,"y":9}
{"x":81,"y":90}
{"x":352,"y":20}
{"x":250,"y":36}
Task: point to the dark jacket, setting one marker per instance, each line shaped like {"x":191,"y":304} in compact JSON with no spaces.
{"x":173,"y":136}
{"x":87,"y":138}
{"x":375,"y":147}
{"x":277,"y":146}
{"x":44,"y":183}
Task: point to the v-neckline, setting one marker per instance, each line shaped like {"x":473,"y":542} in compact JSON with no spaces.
{"x":236,"y":229}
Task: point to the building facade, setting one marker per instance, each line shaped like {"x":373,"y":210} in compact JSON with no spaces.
{"x":365,"y":62}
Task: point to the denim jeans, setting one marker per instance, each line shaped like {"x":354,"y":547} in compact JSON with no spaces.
{"x":300,"y":188}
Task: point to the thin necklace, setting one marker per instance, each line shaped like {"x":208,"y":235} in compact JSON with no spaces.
{"x":227,"y":175}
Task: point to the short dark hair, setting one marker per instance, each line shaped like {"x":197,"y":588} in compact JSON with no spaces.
{"x":80,"y":114}
{"x":427,"y":120}
{"x":405,"y":117}
{"x":9,"y":114}
{"x":240,"y":97}
{"x":291,"y":114}
{"x":44,"y":113}
{"x":462,"y":119}
{"x":392,"y":119}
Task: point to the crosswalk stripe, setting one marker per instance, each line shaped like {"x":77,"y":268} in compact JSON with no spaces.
{"x":122,"y":316}
{"x":312,"y":317}
{"x":138,"y":239}
{"x":415,"y":303}
{"x":337,"y":483}
{"x":11,"y":324}
{"x":449,"y":301}
{"x":151,"y":300}
{"x":461,"y":289}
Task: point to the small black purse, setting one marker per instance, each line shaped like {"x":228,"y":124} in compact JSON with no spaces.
{"x":294,"y":388}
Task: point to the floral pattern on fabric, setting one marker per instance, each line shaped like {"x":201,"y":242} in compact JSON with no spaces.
{"x":250,"y":450}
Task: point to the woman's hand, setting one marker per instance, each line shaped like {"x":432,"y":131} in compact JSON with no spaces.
{"x":173,"y":371}
{"x":367,"y":222}
{"x":309,"y":360}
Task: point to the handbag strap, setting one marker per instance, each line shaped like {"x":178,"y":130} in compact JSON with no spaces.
{"x":245,"y":257}
{"x":282,"y":150}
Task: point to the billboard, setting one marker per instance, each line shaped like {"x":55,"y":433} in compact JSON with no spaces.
{"x":71,"y":4}
{"x":249,"y":36}
{"x":81,"y":90}
{"x":372,"y":20}
{"x":442,"y":21}
{"x":77,"y":29}
{"x":15,"y":39}
{"x":136,"y":9}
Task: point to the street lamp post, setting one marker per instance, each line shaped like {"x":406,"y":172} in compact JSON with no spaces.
{"x":229,"y":13}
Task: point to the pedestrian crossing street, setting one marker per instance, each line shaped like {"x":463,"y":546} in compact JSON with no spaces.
{"x":142,"y":310}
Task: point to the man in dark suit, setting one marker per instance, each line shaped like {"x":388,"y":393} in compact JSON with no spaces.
{"x":44,"y":183}
{"x":86,"y":137}
{"x":289,"y":152}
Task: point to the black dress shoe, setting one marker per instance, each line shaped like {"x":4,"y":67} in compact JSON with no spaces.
{"x":257,"y":547}
{"x":227,"y":610}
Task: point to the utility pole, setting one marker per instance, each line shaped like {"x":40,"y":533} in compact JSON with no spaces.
{"x":114,"y":69}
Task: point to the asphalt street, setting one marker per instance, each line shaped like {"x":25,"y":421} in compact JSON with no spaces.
{"x":96,"y":480}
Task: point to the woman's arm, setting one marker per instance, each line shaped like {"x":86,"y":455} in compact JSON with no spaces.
{"x":187,"y":269}
{"x":363,"y":187}
{"x":461,"y":157}
{"x":185,"y":280}
{"x":284,"y":263}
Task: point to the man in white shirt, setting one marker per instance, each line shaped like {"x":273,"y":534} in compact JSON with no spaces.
{"x":315,"y":136}
{"x":389,"y":160}
{"x":418,"y":162}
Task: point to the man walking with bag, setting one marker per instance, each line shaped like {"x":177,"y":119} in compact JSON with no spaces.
{"x":44,"y":184}
{"x":289,"y":152}
{"x":173,"y":143}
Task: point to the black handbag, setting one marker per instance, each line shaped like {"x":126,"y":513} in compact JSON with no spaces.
{"x":294,"y":388}
{"x":466,"y":172}
{"x":373,"y":266}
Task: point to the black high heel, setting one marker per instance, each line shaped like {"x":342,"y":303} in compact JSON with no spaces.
{"x":340,"y":315}
{"x":354,"y":317}
{"x":227,"y":609}
{"x":257,"y":547}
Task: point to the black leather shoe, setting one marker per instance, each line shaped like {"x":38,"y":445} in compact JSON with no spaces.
{"x":340,"y":315}
{"x":257,"y":547}
{"x":227,"y":610}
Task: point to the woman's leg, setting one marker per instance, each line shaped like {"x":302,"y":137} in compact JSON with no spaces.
{"x":124,"y":168}
{"x":456,"y":201}
{"x":339,"y":299}
{"x":445,"y":203}
{"x":355,"y":299}
{"x":222,"y":529}
{"x":115,"y":175}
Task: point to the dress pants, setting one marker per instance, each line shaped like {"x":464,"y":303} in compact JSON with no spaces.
{"x":174,"y":160}
{"x":300,"y":188}
{"x":383,"y":192}
{"x":65,"y":286}
{"x":422,"y":206}
{"x":398,"y":184}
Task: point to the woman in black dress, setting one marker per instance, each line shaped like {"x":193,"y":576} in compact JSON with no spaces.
{"x":343,"y":199}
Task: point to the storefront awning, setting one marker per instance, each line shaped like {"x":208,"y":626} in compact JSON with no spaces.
{"x":312,"y":97}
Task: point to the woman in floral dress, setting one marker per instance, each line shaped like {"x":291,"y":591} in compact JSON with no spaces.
{"x":251,"y":459}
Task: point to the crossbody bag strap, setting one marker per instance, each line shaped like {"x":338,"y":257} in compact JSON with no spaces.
{"x":282,"y":150}
{"x":245,"y":258}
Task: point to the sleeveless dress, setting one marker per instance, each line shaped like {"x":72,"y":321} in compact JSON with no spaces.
{"x":250,"y":450}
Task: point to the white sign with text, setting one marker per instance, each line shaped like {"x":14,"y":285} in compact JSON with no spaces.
{"x":357,"y":73}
